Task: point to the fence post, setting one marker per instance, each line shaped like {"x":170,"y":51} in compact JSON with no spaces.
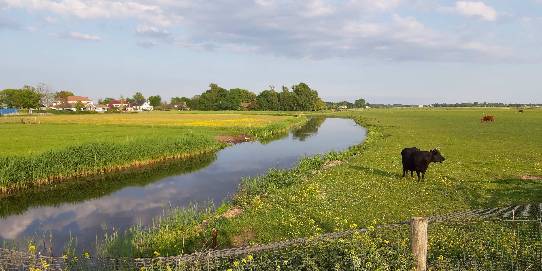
{"x":214,"y":235}
{"x":418,"y":242}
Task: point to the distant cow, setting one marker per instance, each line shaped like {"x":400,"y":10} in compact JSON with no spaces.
{"x":520,"y":111}
{"x":415,"y":160}
{"x":487,"y":118}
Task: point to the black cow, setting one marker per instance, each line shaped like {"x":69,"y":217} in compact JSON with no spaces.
{"x":408,"y":163}
{"x":416,"y":160}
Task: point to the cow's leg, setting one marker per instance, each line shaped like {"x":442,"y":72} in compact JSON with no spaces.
{"x":423,"y":175}
{"x":412,"y":173}
{"x":418,"y":173}
{"x":404,"y":172}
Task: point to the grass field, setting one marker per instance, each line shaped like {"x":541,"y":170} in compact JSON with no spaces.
{"x":46,"y":148}
{"x":59,"y":131}
{"x":487,"y":165}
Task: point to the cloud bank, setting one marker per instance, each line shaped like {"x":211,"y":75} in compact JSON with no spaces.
{"x":314,"y":29}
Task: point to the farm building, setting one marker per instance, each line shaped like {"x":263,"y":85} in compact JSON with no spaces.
{"x":71,"y":103}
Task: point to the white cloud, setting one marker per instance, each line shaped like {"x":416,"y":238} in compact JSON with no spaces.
{"x":153,"y":32}
{"x":80,"y":36}
{"x":376,"y":4}
{"x":476,"y":9}
{"x":95,"y":9}
{"x":364,"y":29}
{"x":315,"y":8}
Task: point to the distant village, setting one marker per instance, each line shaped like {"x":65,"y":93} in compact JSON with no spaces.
{"x":41,"y":98}
{"x":81,"y":103}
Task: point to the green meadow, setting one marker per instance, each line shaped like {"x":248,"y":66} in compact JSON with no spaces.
{"x":487,"y":165}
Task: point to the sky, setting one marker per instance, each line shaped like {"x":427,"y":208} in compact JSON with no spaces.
{"x":386,"y":51}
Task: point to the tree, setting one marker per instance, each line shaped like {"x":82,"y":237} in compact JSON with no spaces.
{"x":155,"y":100}
{"x":240,"y":99}
{"x":63,"y":95}
{"x":268,"y":100}
{"x":79,"y":106}
{"x":27,"y":98}
{"x":306,"y":99}
{"x":8,"y":97}
{"x":215,"y":98}
{"x":360,"y":103}
{"x":287,"y":100}
{"x":138,"y":98}
{"x":47,"y":95}
{"x":105,"y":100}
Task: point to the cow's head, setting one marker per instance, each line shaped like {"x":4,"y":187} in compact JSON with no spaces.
{"x":436,"y":156}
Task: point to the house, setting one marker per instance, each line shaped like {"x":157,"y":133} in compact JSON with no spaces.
{"x":71,"y":103}
{"x":182,"y":106}
{"x":120,"y":105}
{"x":101,"y":108}
{"x":146,"y":106}
{"x":342,"y":107}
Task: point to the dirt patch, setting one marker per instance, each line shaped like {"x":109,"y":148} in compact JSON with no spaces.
{"x":243,"y":238}
{"x":231,"y":213}
{"x":531,"y":178}
{"x":332,"y":163}
{"x":233,"y":139}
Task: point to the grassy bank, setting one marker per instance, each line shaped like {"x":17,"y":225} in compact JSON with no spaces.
{"x":48,"y":149}
{"x":487,"y":165}
{"x":83,"y":189}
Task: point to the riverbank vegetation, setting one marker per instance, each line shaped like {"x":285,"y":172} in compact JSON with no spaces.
{"x":43,"y":149}
{"x":487,"y":165}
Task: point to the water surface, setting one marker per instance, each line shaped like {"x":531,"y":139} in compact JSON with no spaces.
{"x":87,"y":209}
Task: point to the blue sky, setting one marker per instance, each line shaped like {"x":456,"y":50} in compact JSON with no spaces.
{"x":387,"y":51}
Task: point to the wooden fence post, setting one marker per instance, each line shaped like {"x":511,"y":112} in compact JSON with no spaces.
{"x":418,"y":242}
{"x":214,"y":235}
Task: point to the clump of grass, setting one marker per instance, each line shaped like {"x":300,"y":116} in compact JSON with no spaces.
{"x":166,"y":236}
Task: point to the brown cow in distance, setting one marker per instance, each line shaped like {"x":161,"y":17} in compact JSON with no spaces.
{"x":487,"y":118}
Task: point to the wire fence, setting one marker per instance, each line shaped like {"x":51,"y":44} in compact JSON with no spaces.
{"x":507,"y":238}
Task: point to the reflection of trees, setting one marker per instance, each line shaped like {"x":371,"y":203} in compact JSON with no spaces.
{"x":95,"y":187}
{"x":309,"y":129}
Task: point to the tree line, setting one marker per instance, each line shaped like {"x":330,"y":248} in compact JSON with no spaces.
{"x":299,"y":97}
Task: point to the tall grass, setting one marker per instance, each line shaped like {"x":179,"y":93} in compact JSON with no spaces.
{"x":97,"y":158}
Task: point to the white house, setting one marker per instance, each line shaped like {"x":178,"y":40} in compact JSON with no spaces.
{"x":101,"y":108}
{"x":120,"y":105}
{"x":72,"y":101}
{"x":146,"y":106}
